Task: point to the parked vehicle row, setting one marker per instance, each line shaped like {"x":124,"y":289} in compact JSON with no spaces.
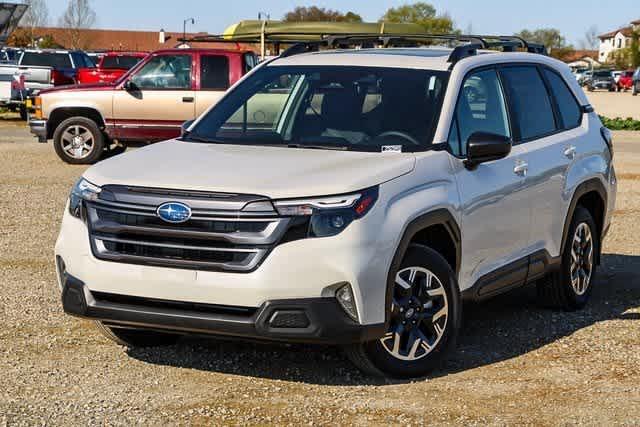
{"x":148,"y":104}
{"x":620,"y":81}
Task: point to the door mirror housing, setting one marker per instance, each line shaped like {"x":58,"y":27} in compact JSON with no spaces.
{"x":184,"y":128}
{"x":130,"y":86}
{"x":484,"y":147}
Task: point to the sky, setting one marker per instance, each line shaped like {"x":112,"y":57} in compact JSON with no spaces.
{"x":572,"y":17}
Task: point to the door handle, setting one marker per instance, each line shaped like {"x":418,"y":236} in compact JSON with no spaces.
{"x":521,"y":168}
{"x":187,"y":99}
{"x":570,"y":152}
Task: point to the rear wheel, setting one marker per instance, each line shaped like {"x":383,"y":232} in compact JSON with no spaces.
{"x":79,"y":140}
{"x":570,"y":287}
{"x":136,"y":337}
{"x":424,"y":319}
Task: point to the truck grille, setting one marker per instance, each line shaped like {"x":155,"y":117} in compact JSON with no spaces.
{"x":124,"y":227}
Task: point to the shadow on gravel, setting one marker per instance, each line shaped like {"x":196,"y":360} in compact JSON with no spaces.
{"x":502,"y":328}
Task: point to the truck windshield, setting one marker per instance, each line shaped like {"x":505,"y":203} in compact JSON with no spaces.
{"x":351,"y":108}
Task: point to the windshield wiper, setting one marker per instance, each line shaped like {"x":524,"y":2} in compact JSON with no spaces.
{"x":321,"y":147}
{"x":196,"y":138}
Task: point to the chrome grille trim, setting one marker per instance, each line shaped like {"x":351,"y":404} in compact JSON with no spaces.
{"x":125,"y":228}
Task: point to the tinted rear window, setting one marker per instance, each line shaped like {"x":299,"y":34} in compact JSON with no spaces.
{"x":570,"y":111}
{"x":529,"y":102}
{"x":124,"y":62}
{"x":214,"y":72}
{"x":46,"y":59}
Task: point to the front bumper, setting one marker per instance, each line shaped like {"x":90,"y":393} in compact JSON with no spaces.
{"x":308,"y":320}
{"x":39,"y":129}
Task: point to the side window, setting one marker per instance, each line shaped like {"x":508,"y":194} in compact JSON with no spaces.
{"x":165,"y":72}
{"x":529,"y":102}
{"x":569,"y":109}
{"x":480,"y":108}
{"x":250,"y":61}
{"x":214,"y":72}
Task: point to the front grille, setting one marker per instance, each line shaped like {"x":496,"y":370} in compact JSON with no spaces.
{"x":124,"y":227}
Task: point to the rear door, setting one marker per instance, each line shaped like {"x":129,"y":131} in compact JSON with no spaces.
{"x":548,"y":119}
{"x":160,"y":96}
{"x":495,"y":210}
{"x":214,"y":79}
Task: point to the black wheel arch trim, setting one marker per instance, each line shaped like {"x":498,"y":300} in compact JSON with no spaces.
{"x":436,"y":217}
{"x":593,"y":184}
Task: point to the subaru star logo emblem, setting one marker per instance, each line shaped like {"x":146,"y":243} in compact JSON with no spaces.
{"x":174,"y":212}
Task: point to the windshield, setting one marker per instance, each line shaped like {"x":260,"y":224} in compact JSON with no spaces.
{"x":46,"y":59}
{"x":353,"y":108}
{"x":602,"y":74}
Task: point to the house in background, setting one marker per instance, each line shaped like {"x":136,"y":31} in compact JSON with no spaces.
{"x":616,"y":40}
{"x":581,"y":59}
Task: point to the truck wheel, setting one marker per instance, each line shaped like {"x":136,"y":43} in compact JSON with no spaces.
{"x":424,"y":320}
{"x":24,"y":114}
{"x":634,"y":89}
{"x":136,"y":337}
{"x":570,"y":287}
{"x":78,"y":140}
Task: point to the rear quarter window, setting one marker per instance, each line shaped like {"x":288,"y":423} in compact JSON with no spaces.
{"x":570,"y":110}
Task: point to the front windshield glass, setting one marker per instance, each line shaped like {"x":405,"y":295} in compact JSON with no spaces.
{"x":353,"y":108}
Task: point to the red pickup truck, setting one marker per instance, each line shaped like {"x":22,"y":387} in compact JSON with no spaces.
{"x":110,"y":67}
{"x":147,"y":104}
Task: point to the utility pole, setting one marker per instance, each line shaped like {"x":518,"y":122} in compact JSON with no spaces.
{"x":264,"y":17}
{"x":184,"y":27}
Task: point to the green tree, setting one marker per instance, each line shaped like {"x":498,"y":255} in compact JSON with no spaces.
{"x":320,"y":14}
{"x":552,"y":38}
{"x":420,"y":13}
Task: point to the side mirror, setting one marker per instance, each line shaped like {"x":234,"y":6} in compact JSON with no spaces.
{"x":130,"y":86}
{"x":184,"y":128}
{"x":485,"y":147}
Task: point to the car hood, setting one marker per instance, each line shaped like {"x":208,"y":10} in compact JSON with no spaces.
{"x":82,"y":87}
{"x":275,"y":172}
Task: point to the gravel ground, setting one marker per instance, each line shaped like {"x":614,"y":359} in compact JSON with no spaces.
{"x":517,"y":363}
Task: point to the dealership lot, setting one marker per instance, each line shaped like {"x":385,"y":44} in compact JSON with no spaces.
{"x":517,"y":363}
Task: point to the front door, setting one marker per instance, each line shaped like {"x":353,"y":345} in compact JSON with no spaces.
{"x":157,"y":99}
{"x":495,"y":212}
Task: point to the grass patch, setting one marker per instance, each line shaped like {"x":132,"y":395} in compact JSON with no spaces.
{"x":620,"y":123}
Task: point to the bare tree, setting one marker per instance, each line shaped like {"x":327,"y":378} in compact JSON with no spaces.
{"x":591,"y":40}
{"x":77,"y":16}
{"x":37,"y":15}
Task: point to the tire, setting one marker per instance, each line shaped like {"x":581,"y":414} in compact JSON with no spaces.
{"x":24,"y":114}
{"x":634,"y":89}
{"x":86,"y":150}
{"x":559,"y":290}
{"x":406,"y":360}
{"x":133,"y":338}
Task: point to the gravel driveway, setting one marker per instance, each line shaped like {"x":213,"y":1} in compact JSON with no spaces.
{"x":517,"y":363}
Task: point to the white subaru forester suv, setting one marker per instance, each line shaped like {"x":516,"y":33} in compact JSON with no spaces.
{"x":351,"y":197}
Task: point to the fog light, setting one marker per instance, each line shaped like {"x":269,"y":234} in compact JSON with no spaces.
{"x":344,"y":295}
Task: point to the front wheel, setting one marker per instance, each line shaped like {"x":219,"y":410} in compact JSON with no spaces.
{"x":79,"y":140}
{"x":424,"y":319}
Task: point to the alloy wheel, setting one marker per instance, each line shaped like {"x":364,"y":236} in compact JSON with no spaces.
{"x":581,"y":259}
{"x":419,"y":314}
{"x":77,"y":141}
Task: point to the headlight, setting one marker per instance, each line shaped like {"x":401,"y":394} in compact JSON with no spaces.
{"x":328,"y":216}
{"x":82,"y":190}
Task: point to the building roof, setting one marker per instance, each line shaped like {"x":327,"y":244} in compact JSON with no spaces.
{"x":626,"y":31}
{"x":636,"y":22}
{"x":99,"y":39}
{"x":577,"y":55}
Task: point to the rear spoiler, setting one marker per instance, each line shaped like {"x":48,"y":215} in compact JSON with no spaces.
{"x":10,"y":16}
